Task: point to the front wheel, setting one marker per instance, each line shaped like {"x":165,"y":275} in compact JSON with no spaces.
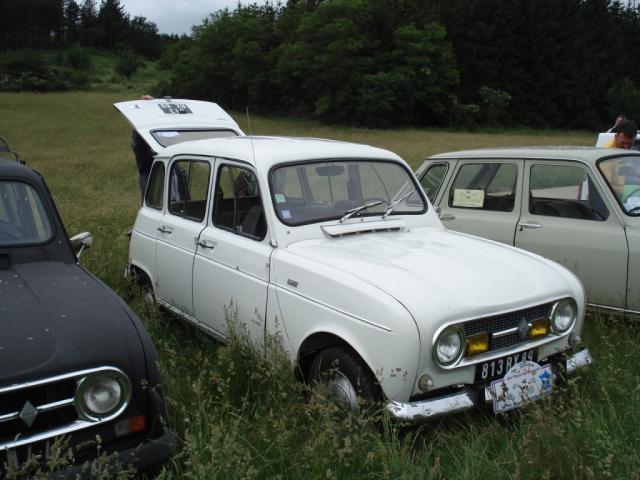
{"x":348,"y":380}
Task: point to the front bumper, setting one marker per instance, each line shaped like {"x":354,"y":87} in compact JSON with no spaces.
{"x":145,"y":457}
{"x":426,"y":410}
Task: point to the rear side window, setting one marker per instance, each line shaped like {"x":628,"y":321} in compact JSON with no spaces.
{"x":238,"y":204}
{"x":23,"y":219}
{"x":485,"y":186}
{"x":188,"y":188}
{"x":432,"y":179}
{"x":564,"y":191}
{"x":155,"y":187}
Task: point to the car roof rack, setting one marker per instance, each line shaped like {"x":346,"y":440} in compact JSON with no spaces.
{"x":6,"y":149}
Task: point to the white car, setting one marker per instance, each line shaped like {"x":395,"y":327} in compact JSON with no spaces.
{"x":335,"y":248}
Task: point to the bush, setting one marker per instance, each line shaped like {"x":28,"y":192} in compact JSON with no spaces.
{"x":28,"y":70}
{"x":493,"y":105}
{"x":78,"y":58}
{"x":127,"y":63}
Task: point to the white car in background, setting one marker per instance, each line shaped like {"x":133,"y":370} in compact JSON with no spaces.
{"x":578,"y":206}
{"x":334,"y":247}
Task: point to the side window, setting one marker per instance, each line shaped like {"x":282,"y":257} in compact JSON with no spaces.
{"x":238,"y":206}
{"x":432,"y":179}
{"x":485,"y":186}
{"x":564,"y":191}
{"x":188,"y":187}
{"x":155,"y":188}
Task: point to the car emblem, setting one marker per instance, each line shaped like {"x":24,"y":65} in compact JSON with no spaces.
{"x":28,"y":414}
{"x":523,"y":328}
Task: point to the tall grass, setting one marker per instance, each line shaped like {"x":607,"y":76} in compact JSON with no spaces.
{"x":238,"y":415}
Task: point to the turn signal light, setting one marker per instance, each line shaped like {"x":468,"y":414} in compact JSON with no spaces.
{"x":477,"y":344}
{"x":539,"y":328}
{"x":130,"y":425}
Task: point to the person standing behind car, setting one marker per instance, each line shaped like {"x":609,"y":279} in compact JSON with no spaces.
{"x":143,"y":155}
{"x":619,"y":118}
{"x":625,"y":136}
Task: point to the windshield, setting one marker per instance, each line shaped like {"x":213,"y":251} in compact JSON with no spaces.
{"x":623,"y":176}
{"x":166,"y":138}
{"x":23,"y":220}
{"x":324,"y":190}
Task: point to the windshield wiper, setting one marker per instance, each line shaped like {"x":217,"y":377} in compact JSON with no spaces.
{"x":391,"y":207}
{"x":349,"y":213}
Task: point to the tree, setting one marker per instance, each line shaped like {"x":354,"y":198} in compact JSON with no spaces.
{"x":72,"y":21}
{"x":89,"y":23}
{"x":112,"y":23}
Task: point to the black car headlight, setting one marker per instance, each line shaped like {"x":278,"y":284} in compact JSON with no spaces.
{"x":563,"y":315}
{"x":102,"y":394}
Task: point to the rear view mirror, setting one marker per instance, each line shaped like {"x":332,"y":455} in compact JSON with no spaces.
{"x":81,"y":241}
{"x":329,"y":170}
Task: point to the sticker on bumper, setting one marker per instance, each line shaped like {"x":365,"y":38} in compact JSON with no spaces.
{"x":525,"y":382}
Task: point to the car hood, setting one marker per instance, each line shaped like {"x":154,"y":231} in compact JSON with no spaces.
{"x":56,"y":317}
{"x":440,"y":274}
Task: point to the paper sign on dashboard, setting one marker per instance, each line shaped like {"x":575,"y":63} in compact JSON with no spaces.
{"x":468,"y":198}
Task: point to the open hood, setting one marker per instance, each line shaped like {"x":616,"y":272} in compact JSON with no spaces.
{"x":165,"y":122}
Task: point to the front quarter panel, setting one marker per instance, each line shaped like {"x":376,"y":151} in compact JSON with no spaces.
{"x":316,"y":298}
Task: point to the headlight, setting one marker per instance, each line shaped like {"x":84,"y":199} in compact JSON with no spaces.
{"x":563,"y":315}
{"x":102,"y":394}
{"x":448,"y":346}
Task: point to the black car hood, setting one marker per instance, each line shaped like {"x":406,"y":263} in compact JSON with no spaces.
{"x":55,"y":317}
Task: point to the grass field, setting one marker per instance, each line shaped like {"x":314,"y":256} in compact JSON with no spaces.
{"x":237,"y":416}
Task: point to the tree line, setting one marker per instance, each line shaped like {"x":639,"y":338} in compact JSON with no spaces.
{"x":538,"y":63}
{"x":54,"y":24}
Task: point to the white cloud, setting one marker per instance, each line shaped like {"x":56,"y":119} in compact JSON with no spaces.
{"x":178,"y":16}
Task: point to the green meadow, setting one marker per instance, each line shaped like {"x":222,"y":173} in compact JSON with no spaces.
{"x":239,"y":416}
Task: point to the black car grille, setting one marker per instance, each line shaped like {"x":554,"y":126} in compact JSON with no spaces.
{"x":505,"y":321}
{"x":53,"y":402}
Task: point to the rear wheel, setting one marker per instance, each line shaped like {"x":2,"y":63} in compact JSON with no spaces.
{"x":345,"y":376}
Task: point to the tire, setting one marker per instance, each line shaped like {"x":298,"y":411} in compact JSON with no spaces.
{"x":348,"y":380}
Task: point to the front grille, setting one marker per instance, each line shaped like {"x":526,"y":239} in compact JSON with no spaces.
{"x":42,"y":409}
{"x":505,"y":321}
{"x":52,"y":401}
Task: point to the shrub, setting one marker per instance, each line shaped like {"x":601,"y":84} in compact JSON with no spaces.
{"x":127,"y":63}
{"x":78,"y":58}
{"x":493,"y":104}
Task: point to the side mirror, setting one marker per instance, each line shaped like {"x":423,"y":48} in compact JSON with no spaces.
{"x":81,"y":241}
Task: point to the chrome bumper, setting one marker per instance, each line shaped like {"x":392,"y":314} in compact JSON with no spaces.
{"x":423,"y":411}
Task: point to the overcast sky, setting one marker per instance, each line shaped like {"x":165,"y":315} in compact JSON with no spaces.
{"x":177,"y":16}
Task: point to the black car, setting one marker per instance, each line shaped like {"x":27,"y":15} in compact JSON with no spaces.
{"x":75,"y":361}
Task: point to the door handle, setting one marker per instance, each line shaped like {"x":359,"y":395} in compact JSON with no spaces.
{"x":207,"y":243}
{"x":529,"y":225}
{"x":447,"y":216}
{"x":165,"y":229}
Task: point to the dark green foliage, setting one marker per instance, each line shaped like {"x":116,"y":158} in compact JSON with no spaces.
{"x":29,"y":70}
{"x":78,"y":57}
{"x":127,"y":63}
{"x":624,"y":96}
{"x":494,"y":104}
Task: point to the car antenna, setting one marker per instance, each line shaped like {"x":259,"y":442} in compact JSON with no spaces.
{"x":250,"y":134}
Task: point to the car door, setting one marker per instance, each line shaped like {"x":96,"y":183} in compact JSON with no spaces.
{"x":566,"y":217}
{"x":483,"y":198}
{"x":232,"y":262}
{"x":179,"y":230}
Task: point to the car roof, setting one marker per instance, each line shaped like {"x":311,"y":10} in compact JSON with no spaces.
{"x":584,"y":154}
{"x":264,"y":152}
{"x":12,"y":168}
